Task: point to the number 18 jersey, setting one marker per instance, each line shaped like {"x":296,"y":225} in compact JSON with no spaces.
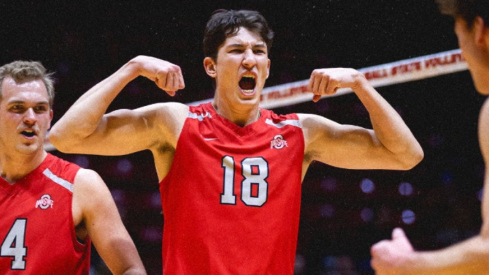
{"x":231,"y":200}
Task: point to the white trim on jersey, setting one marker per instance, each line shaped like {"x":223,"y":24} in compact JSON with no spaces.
{"x":66,"y":184}
{"x":293,"y":122}
{"x":199,"y":117}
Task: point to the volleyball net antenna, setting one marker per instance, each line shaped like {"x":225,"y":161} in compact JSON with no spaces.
{"x":401,"y":71}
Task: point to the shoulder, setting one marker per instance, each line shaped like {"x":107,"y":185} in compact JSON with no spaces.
{"x":173,"y":109}
{"x":169,"y":113}
{"x":320,"y":131}
{"x":87,"y":181}
{"x":316,"y":122}
{"x":90,"y":191}
{"x":167,"y":118}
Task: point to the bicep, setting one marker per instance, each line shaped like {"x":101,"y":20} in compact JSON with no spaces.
{"x":127,"y":131}
{"x":103,"y":222}
{"x":345,"y":146}
{"x":98,"y":209}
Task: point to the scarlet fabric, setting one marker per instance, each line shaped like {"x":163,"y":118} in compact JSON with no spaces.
{"x":37,"y":210}
{"x":231,"y":200}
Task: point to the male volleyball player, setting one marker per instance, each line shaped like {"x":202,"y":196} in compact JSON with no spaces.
{"x":230,"y":172}
{"x":471,"y":256}
{"x":51,"y":210}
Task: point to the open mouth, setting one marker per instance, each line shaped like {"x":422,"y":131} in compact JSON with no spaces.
{"x":247,"y":84}
{"x":28,"y":133}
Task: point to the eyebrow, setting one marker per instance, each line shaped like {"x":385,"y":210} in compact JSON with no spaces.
{"x":258,"y":45}
{"x":23,"y":102}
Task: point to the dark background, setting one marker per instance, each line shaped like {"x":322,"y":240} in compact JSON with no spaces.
{"x":84,"y":42}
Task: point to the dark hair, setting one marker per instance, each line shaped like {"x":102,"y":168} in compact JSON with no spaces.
{"x":224,"y":23}
{"x":28,"y":70}
{"x":467,"y":9}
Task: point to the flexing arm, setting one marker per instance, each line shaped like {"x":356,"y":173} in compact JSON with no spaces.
{"x":471,"y":256}
{"x":390,"y":145}
{"x":95,"y":212}
{"x":85,"y":128}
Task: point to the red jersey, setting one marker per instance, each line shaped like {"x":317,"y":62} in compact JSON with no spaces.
{"x":37,"y":233}
{"x":231,"y":200}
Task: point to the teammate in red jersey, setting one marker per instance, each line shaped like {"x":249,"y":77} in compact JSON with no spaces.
{"x":471,"y":256}
{"x":230,"y":172}
{"x":52,"y":210}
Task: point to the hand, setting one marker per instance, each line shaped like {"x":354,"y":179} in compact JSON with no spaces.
{"x":391,"y":256}
{"x":166,"y":75}
{"x":328,"y":81}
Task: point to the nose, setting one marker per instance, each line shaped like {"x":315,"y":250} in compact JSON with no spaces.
{"x":249,"y":60}
{"x":30,"y":117}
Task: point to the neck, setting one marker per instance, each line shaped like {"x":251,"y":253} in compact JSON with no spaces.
{"x":15,"y":167}
{"x":241,"y":116}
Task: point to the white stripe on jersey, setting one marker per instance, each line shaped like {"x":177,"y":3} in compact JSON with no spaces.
{"x":66,"y":184}
{"x":199,"y":117}
{"x":293,"y":122}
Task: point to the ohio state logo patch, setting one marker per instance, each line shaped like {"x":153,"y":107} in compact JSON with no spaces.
{"x":45,"y":202}
{"x":278,"y":142}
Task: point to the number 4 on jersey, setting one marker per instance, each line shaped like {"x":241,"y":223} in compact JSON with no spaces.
{"x":254,"y":172}
{"x":13,"y":244}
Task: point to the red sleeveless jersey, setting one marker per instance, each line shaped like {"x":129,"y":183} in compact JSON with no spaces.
{"x":37,"y":233}
{"x":231,"y":200}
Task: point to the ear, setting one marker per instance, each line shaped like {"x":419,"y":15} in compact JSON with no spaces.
{"x":210,"y":67}
{"x":481,"y":31}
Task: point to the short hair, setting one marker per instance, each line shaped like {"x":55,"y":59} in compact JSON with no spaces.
{"x":28,"y":70}
{"x":224,"y":23}
{"x":466,"y":9}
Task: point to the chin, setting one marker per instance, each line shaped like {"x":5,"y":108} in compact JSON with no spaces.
{"x":250,"y":100}
{"x":28,"y":148}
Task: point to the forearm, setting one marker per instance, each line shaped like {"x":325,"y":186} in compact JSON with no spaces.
{"x":124,"y":258}
{"x":388,"y":125}
{"x":468,"y":257}
{"x":86,"y":114}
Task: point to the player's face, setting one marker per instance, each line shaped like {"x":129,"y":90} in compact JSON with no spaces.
{"x":25,"y":116}
{"x":241,"y":68}
{"x":476,"y":55}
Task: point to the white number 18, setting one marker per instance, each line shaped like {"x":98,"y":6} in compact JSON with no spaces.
{"x":254,"y":172}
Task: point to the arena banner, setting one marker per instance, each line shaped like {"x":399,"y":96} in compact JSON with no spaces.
{"x":380,"y":75}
